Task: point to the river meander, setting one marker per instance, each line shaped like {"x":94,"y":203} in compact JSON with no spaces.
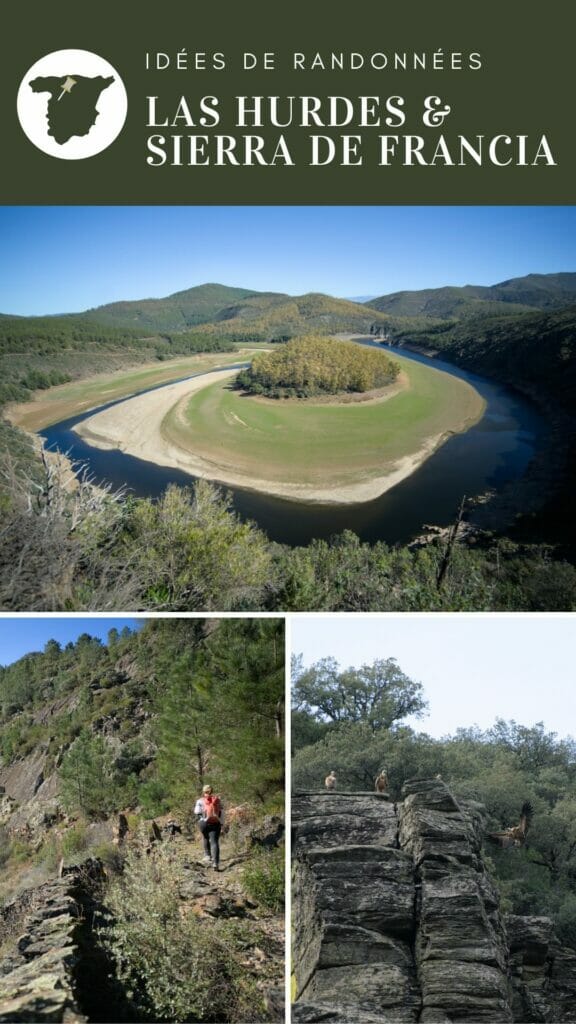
{"x":488,"y":456}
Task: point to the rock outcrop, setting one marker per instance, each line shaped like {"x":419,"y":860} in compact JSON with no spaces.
{"x":395,"y":918}
{"x":36,"y":976}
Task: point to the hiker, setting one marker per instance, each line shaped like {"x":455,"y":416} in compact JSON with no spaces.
{"x":210,"y":815}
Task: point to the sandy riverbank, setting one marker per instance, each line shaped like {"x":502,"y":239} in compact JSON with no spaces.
{"x":135,"y":427}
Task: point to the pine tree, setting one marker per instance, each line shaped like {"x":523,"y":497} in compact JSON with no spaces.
{"x":87,"y":777}
{"x":244,"y":660}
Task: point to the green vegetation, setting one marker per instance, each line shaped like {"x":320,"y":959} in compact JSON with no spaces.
{"x":39,"y":352}
{"x":263,"y":879}
{"x":188,"y":551}
{"x":314,"y":366}
{"x":176,"y":312}
{"x":93,"y":550}
{"x":338,"y":726}
{"x":323,"y":444}
{"x":87,"y":779}
{"x":235,"y":311}
{"x":177,"y":967}
{"x":136,"y":725}
{"x":212,"y":692}
{"x":74,"y":841}
{"x":379,"y":694}
{"x":535,"y":353}
{"x":535,"y":291}
{"x":89,"y":551}
{"x":235,"y":689}
{"x":537,"y":350}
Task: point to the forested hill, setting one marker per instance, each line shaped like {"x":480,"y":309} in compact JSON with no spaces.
{"x":104,"y":750}
{"x":535,"y":291}
{"x":178,"y":676}
{"x":179,"y":311}
{"x":231,"y":312}
{"x":272,"y":315}
{"x":534,"y":349}
{"x":39,"y":352}
{"x":534,"y":352}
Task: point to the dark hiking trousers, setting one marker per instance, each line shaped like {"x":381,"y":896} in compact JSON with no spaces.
{"x":211,"y":836}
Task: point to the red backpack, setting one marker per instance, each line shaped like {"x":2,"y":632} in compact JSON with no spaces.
{"x":212,"y":809}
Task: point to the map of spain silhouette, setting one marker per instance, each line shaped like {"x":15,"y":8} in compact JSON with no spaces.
{"x":71,"y":103}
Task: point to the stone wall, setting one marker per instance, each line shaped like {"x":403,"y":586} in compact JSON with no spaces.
{"x":36,"y":975}
{"x":395,"y":918}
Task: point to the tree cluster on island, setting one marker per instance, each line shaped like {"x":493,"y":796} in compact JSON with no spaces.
{"x":312,"y":366}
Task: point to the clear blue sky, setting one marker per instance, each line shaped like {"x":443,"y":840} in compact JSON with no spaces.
{"x":473,"y":668}
{"x":22,"y":634}
{"x":66,"y":259}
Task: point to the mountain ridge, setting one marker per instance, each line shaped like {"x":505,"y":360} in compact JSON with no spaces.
{"x":212,"y":303}
{"x":515,"y":295}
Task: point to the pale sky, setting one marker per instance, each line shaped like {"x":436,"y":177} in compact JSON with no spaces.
{"x":474,"y":668}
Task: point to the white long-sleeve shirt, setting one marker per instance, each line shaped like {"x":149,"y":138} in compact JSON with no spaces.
{"x":200,"y":810}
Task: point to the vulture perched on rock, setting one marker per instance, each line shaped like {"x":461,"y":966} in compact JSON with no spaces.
{"x":330,"y":781}
{"x":516,"y":834}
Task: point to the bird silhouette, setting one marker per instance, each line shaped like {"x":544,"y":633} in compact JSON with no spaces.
{"x":515,"y":835}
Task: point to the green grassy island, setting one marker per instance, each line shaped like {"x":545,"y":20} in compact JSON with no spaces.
{"x":331,"y":449}
{"x":312,"y":366}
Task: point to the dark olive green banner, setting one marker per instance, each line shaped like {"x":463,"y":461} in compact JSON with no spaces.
{"x":313,"y":102}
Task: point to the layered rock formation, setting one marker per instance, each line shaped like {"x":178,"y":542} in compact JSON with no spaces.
{"x":36,"y":976}
{"x":395,"y":918}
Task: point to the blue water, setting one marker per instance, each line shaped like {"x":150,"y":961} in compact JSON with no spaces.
{"x":490,"y":454}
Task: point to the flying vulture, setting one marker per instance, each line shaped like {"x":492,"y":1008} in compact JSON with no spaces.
{"x":516,"y":834}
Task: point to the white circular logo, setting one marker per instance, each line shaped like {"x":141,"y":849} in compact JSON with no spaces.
{"x":72,"y":104}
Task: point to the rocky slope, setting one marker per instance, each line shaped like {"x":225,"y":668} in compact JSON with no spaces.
{"x":54,"y":965}
{"x":396,"y":919}
{"x":83,"y":730}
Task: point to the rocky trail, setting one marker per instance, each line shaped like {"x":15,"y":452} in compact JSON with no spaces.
{"x":53,"y":966}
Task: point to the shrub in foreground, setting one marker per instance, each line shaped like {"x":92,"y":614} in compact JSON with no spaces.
{"x":177,"y":966}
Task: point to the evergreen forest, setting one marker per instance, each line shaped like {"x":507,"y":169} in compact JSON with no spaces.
{"x":105,"y":747}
